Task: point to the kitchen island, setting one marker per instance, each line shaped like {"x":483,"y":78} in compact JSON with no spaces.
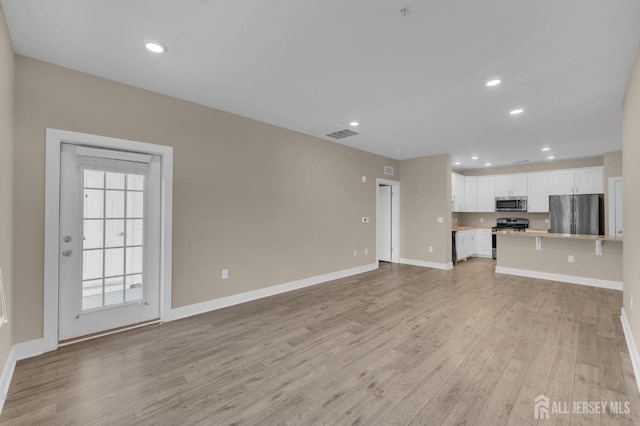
{"x":594,"y":260}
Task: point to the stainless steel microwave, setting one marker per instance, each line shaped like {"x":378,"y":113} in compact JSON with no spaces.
{"x":511,"y":204}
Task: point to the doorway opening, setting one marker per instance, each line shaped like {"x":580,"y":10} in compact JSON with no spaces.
{"x":387,"y":220}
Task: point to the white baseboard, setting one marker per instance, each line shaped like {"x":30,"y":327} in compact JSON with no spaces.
{"x":18,"y":352}
{"x":7,"y":374}
{"x":426,"y":264}
{"x":631,"y":344}
{"x":593,"y":282}
{"x":223,"y":302}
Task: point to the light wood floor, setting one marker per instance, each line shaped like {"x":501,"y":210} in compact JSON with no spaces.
{"x":400,"y":345}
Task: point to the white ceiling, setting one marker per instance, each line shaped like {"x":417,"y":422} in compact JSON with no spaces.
{"x":414,"y":82}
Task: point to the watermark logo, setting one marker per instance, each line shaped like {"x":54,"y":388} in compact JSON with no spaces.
{"x":541,"y":407}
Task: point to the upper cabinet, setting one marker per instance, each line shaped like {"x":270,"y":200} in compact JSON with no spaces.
{"x":486,"y":194}
{"x":590,"y":180}
{"x":587,"y":180}
{"x":457,"y":192}
{"x":538,"y":192}
{"x":470,"y":194}
{"x":510,"y":185}
{"x":478,"y":193}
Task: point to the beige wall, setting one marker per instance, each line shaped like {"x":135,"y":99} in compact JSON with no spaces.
{"x":536,"y":220}
{"x":631,"y":151}
{"x":535,"y":167}
{"x":425,"y":196}
{"x":270,"y":204}
{"x":612,"y":168}
{"x":520,"y":252}
{"x":6,"y":179}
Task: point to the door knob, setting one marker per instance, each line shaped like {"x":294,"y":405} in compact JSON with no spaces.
{"x":67,"y":239}
{"x":67,"y":253}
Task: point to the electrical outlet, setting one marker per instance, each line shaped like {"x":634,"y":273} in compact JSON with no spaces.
{"x":366,"y":251}
{"x":482,"y":220}
{"x":570,"y":259}
{"x":430,"y":249}
{"x":364,"y":179}
{"x":225,"y":274}
{"x":440,"y":219}
{"x":355,"y":252}
{"x":546,"y":221}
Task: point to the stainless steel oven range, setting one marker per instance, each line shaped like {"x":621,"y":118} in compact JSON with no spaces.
{"x":508,"y":224}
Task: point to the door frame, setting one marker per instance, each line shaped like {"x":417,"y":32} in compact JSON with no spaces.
{"x":612,"y":204}
{"x":54,"y":139}
{"x":395,"y":215}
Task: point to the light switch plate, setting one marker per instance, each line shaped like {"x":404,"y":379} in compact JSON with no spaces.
{"x":440,"y":219}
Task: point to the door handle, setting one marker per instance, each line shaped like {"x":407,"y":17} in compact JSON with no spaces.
{"x":67,"y":253}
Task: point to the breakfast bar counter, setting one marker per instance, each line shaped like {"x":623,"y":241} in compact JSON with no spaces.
{"x":594,"y":260}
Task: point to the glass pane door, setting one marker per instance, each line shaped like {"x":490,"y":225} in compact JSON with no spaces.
{"x":113,"y":239}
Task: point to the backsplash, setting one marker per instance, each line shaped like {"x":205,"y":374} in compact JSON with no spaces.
{"x":536,"y":220}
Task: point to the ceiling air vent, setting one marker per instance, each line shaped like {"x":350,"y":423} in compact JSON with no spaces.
{"x":388,"y":170}
{"x":342,"y":134}
{"x":521,"y":162}
{"x":332,"y":130}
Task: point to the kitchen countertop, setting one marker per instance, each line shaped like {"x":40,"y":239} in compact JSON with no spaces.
{"x":566,"y":236}
{"x":466,"y":228}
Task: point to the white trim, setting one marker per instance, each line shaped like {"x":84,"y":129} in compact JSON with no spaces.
{"x":29,"y":349}
{"x":7,"y":374}
{"x":56,"y":137}
{"x":427,"y":264}
{"x":18,"y":352}
{"x":612,"y":204}
{"x":593,"y":282}
{"x":223,"y":302}
{"x":395,"y":217}
{"x":631,"y":344}
{"x":98,"y":335}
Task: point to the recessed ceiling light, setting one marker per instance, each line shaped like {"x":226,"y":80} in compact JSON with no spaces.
{"x":516,"y":111}
{"x":397,"y":151}
{"x":474,"y":157}
{"x":546,"y":149}
{"x":354,"y":124}
{"x":155,"y":47}
{"x":492,"y":83}
{"x":551,"y":157}
{"x":457,"y":163}
{"x":487,"y":164}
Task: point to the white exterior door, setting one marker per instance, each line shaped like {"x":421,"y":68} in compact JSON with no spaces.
{"x":383,"y":223}
{"x":109,"y":266}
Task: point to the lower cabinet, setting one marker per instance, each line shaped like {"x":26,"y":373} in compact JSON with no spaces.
{"x":473,"y":242}
{"x":484,"y":243}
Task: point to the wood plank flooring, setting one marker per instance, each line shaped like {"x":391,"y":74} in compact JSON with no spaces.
{"x":400,"y":345}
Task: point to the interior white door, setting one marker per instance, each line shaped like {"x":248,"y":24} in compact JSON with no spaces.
{"x":617,"y":192}
{"x":383,"y":223}
{"x":109,"y":266}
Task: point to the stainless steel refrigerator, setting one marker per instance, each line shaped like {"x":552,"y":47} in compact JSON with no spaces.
{"x":577,"y":214}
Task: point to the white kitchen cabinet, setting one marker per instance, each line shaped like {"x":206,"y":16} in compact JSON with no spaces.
{"x":484,"y":243}
{"x":586,"y":180}
{"x":561,"y":182}
{"x":470,"y":194}
{"x":465,"y":244}
{"x":538,"y":192}
{"x":457,"y":192}
{"x":511,"y":185}
{"x":589,"y":180}
{"x":486,"y":194}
